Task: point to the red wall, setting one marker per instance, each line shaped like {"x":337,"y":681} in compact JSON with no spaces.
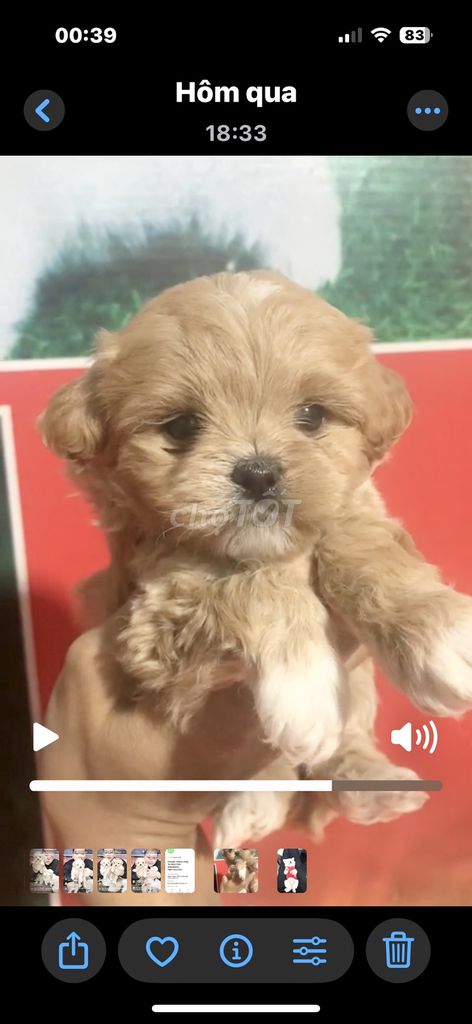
{"x":422,"y":858}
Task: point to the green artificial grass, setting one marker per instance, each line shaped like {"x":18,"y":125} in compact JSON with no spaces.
{"x":406,"y":229}
{"x":100,"y":279}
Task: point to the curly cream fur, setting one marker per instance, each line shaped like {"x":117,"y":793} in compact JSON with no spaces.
{"x":198,"y":596}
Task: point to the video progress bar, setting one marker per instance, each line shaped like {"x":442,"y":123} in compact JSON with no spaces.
{"x":233,"y":785}
{"x":231,"y":1008}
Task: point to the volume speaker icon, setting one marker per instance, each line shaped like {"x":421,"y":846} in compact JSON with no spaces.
{"x":428,"y":738}
{"x":381,"y":34}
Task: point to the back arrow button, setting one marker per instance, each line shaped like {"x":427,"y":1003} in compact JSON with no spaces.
{"x":44,"y":110}
{"x":39,"y":110}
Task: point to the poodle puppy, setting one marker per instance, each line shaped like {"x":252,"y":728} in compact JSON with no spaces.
{"x":291,"y":882}
{"x":116,"y":881}
{"x":50,"y":879}
{"x":227,"y":436}
{"x":241,"y":875}
{"x":112,"y":870}
{"x":140,"y":867}
{"x":81,"y":877}
{"x":44,"y":877}
{"x":105,"y":865}
{"x":149,"y":876}
{"x":152,"y":882}
{"x":38,"y":864}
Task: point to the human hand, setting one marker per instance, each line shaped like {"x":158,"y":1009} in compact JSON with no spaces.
{"x":106,"y":735}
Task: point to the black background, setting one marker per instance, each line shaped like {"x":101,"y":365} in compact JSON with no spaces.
{"x":120,"y":97}
{"x":360,"y":993}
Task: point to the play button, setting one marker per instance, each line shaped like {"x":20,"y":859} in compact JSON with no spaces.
{"x":42,"y":737}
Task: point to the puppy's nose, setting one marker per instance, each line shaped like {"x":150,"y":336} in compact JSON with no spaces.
{"x":256,"y":476}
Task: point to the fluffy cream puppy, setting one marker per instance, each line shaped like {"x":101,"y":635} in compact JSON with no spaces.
{"x":105,"y":865}
{"x":140,"y":867}
{"x":227,"y":435}
{"x":80,"y":875}
{"x":38,"y":864}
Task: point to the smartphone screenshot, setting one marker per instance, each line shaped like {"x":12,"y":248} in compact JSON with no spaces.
{"x":180,"y":871}
{"x":235,"y":492}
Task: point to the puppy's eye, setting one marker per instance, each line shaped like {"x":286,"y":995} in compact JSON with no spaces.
{"x":310,"y":417}
{"x":182,"y":428}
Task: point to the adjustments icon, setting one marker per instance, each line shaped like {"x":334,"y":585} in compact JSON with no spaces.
{"x":310,"y":951}
{"x":236,"y":950}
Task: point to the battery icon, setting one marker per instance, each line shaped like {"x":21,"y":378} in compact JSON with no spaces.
{"x":409,"y":34}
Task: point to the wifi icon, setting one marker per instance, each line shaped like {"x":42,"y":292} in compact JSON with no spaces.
{"x":427,"y":739}
{"x":381,"y":34}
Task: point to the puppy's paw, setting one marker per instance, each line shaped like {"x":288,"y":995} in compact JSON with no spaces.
{"x":163,"y":629}
{"x":319,"y":811}
{"x":369,"y":808}
{"x":432,"y":659}
{"x":145,"y":640}
{"x":250,"y":816}
{"x":447,"y":666}
{"x":302,"y":706}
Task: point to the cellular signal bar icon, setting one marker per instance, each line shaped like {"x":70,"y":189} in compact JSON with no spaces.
{"x":351,"y":37}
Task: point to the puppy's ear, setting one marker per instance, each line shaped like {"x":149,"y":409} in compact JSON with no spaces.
{"x":386,"y":405}
{"x":72,"y":424}
{"x":69,"y":425}
{"x":388,"y":409}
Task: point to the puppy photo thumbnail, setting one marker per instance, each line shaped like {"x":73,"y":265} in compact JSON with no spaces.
{"x":44,"y":870}
{"x":112,"y":872}
{"x":78,"y":870}
{"x":291,"y":870}
{"x":146,"y":870}
{"x":236,"y":871}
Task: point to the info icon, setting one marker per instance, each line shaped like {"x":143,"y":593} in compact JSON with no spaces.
{"x":236,"y":950}
{"x":427,"y":110}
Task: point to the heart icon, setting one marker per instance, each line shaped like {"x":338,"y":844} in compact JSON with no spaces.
{"x":172,"y":955}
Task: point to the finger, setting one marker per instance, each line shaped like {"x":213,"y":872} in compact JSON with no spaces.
{"x":357,"y":657}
